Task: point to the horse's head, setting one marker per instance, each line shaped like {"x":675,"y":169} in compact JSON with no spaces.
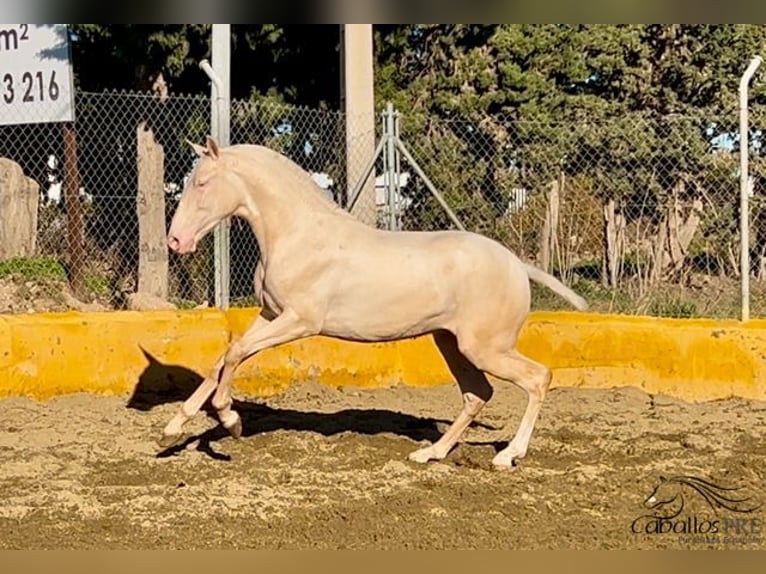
{"x":663,"y":494}
{"x":208,"y":197}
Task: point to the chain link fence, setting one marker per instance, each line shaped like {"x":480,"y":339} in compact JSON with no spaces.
{"x":639,"y":214}
{"x":316,"y":140}
{"x":87,"y":178}
{"x":128,"y":162}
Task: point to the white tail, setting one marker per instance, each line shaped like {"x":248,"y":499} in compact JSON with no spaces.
{"x":556,"y":286}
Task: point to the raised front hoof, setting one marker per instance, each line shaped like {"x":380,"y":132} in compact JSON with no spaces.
{"x":235,"y":428}
{"x":167,"y":441}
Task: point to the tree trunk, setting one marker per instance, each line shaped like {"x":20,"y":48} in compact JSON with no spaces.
{"x":614,"y":236}
{"x":676,"y":233}
{"x":733,"y":261}
{"x":758,"y":231}
{"x":74,"y":215}
{"x":152,"y":244}
{"x":549,"y":239}
{"x":659,"y":251}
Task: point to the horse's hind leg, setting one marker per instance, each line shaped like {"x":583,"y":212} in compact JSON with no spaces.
{"x":476,"y":392}
{"x":531,"y":376}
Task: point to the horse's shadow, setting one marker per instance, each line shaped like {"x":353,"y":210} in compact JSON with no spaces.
{"x":160,"y":384}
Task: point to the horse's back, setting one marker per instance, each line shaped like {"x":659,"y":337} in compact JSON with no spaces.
{"x":422,"y":279}
{"x":459,"y":251}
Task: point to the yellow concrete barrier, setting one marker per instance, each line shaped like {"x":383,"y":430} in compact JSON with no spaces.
{"x":56,"y":353}
{"x":694,"y":359}
{"x":47,"y":354}
{"x":338,"y":363}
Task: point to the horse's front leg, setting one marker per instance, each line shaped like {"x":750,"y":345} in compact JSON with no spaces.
{"x":262,"y":334}
{"x":173,"y":432}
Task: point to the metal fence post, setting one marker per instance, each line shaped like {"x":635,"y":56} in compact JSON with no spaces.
{"x":397,"y":170}
{"x":744,"y":187}
{"x":429,"y":184}
{"x":392,"y":175}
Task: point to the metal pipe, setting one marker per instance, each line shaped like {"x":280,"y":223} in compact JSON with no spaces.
{"x":215,"y":78}
{"x":357,"y":190}
{"x":398,"y":170}
{"x":744,"y":187}
{"x":429,"y":184}
{"x":391,"y":173}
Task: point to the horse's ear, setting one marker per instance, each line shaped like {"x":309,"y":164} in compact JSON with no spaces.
{"x":212,"y":147}
{"x":198,"y":149}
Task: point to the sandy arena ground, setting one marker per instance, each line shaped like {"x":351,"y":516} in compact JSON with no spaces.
{"x":319,"y":467}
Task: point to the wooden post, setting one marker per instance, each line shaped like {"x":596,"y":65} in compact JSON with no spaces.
{"x":549,"y":238}
{"x":150,"y":208}
{"x":19,"y":198}
{"x":73,"y":211}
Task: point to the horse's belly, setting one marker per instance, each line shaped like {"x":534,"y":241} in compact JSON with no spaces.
{"x":371,"y":332}
{"x":382,"y":320}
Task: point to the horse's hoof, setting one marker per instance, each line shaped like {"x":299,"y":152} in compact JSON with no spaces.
{"x":235,"y":430}
{"x":423,"y":455}
{"x":170,"y":440}
{"x":505,"y":466}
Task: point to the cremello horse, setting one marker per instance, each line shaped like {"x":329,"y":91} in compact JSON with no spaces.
{"x":323,"y":272}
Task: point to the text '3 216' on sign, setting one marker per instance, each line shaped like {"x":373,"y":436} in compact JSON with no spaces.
{"x":35,"y":74}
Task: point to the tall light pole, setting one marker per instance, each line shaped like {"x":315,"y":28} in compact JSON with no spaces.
{"x":358,"y":104}
{"x":220,"y":122}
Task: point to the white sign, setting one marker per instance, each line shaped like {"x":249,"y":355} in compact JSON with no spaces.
{"x":35,"y":74}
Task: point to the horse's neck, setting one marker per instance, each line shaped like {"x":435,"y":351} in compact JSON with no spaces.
{"x":280,"y":217}
{"x":283,"y":208}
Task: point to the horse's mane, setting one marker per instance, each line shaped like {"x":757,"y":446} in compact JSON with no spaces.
{"x":715,"y":495}
{"x":303,"y":184}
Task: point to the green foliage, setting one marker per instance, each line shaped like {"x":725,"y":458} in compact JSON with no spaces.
{"x":624,"y":112}
{"x":246,"y":301}
{"x":632,"y":110}
{"x":297,"y":62}
{"x":128,"y":56}
{"x":673,"y":307}
{"x":39,"y":269}
{"x":97,"y":284}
